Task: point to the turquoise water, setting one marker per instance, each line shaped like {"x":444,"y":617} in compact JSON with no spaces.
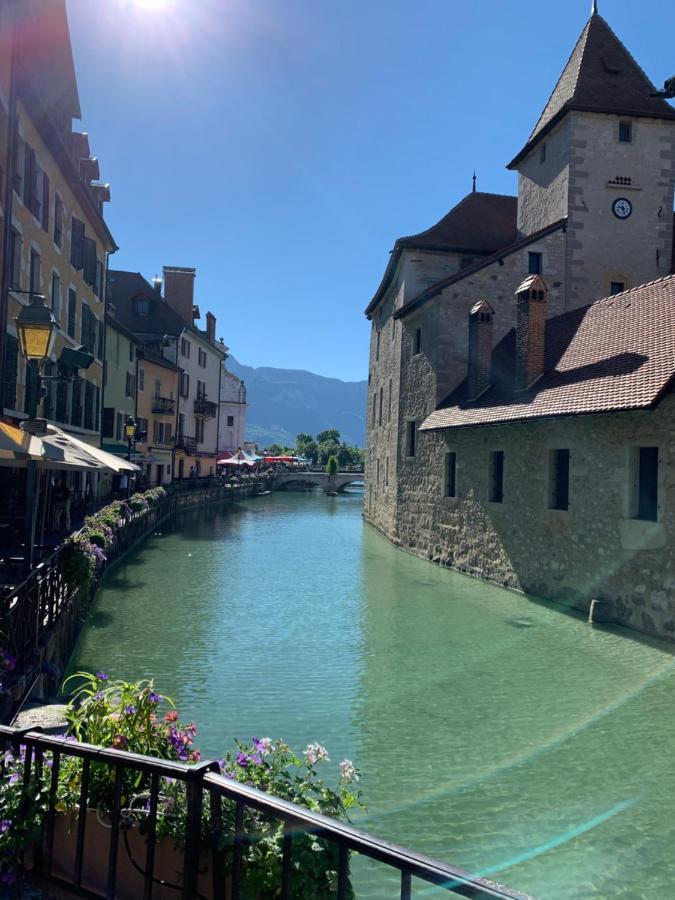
{"x":493,"y":732}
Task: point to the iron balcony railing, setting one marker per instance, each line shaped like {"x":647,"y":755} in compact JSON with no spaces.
{"x":44,"y":756}
{"x":163,"y":405}
{"x":186,"y":443}
{"x":205,"y":409}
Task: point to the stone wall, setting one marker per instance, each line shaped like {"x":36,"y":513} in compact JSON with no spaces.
{"x":592,"y":550}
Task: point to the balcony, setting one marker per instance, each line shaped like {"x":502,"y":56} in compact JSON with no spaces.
{"x":185,"y":443}
{"x":164,"y":405}
{"x":205,"y":409}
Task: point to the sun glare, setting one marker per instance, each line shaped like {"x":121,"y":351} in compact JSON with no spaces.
{"x":152,"y":4}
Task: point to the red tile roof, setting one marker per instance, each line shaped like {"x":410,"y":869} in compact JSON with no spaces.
{"x":600,"y":76}
{"x":616,"y":354}
{"x":481,"y":223}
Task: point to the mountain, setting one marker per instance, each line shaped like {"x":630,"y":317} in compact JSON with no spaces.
{"x":284,"y":402}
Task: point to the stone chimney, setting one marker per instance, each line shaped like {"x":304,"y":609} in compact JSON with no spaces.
{"x":480,"y":349}
{"x":211,"y":327}
{"x":530,"y":331}
{"x":179,"y":290}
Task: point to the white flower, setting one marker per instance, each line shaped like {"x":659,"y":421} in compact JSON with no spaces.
{"x":347,"y":771}
{"x":315,"y":752}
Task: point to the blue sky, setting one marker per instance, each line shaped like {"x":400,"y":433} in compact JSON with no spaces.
{"x":280,"y":146}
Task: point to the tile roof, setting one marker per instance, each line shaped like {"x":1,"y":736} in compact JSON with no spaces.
{"x":616,"y":354}
{"x":600,"y":76}
{"x":479,"y":264}
{"x":123,"y":287}
{"x":480,"y":223}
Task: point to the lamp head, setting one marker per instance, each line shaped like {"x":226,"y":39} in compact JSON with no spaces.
{"x":36,"y":327}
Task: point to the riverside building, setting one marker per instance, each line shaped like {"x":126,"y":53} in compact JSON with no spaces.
{"x":520,"y":412}
{"x":52,"y":204}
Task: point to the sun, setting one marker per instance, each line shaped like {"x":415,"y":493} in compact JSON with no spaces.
{"x":152,"y":4}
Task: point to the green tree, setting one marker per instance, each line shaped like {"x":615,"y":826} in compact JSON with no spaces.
{"x":332,"y":466}
{"x":329,"y":436}
{"x":306,"y":446}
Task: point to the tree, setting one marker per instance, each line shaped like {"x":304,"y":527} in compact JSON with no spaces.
{"x":332,"y":466}
{"x":305,"y":445}
{"x":329,"y":436}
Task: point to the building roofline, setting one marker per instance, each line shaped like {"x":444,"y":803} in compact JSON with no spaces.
{"x":480,"y":264}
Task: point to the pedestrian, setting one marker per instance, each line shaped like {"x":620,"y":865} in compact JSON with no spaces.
{"x":61,"y":497}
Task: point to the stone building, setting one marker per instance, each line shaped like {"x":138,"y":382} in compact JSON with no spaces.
{"x":487,"y":307}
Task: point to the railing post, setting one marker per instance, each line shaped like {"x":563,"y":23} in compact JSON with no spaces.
{"x":193,"y":826}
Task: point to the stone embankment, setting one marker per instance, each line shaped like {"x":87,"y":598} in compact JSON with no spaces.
{"x":41,"y":619}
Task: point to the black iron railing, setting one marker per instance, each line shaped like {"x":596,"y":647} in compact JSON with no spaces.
{"x":186,"y":443}
{"x":205,"y":789}
{"x":205,"y":409}
{"x":165,"y":405}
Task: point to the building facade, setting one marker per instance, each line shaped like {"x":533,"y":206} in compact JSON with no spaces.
{"x":156,"y":406}
{"x":592,"y":217}
{"x":232,"y":422}
{"x":53,"y":219}
{"x":200,"y":357}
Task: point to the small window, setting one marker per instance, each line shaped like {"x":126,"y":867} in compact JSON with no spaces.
{"x":15,"y":271}
{"x":450,"y":474}
{"x":131,"y":352}
{"x":230,"y":421}
{"x":141,"y":379}
{"x":142,"y":306}
{"x":56,"y":295}
{"x":386,"y":472}
{"x":410,"y":438}
{"x":72,"y":312}
{"x":379,"y":419}
{"x":625,"y":132}
{"x":559,"y":479}
{"x":377,"y":344}
{"x":496,"y":492}
{"x":417,"y":341}
{"x":542,"y":153}
{"x":534,"y":263}
{"x":645,"y":483}
{"x":616,"y":287}
{"x":389,"y":403}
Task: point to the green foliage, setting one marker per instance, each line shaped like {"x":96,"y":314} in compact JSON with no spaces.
{"x":278,"y":450}
{"x":332,"y":466}
{"x":306,"y":446}
{"x":329,"y":436}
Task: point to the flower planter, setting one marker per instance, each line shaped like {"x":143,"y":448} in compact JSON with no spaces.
{"x":168,"y":864}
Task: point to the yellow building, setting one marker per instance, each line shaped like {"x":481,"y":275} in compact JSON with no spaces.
{"x":157,"y":391}
{"x":52,"y":216}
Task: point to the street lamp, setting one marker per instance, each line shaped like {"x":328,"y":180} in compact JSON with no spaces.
{"x":36,"y":327}
{"x":130,"y":434}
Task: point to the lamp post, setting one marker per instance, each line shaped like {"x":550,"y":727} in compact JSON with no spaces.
{"x":36,"y":327}
{"x":130,"y":433}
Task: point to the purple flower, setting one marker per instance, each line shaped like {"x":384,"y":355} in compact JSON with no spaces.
{"x":129,"y":710}
{"x":102,"y":676}
{"x":14,"y":778}
{"x":155,"y":698}
{"x":263,"y":745}
{"x":243,"y":760}
{"x":99,"y":695}
{"x":5,"y":825}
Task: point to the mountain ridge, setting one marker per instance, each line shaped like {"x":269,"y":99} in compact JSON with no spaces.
{"x":284,"y":402}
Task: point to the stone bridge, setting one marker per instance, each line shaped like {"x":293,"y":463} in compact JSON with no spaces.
{"x":329,"y":483}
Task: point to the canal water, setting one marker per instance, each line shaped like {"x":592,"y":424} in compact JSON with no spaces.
{"x":492,"y":731}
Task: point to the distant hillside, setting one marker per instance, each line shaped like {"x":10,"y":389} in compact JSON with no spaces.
{"x":284,"y":402}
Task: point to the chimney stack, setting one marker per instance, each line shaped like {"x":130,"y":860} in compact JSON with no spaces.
{"x":211,"y":327}
{"x":157,"y":285}
{"x":530,"y":331}
{"x":179,"y":290}
{"x":480,"y":349}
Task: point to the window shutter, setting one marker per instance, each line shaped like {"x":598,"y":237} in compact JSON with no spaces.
{"x":45,"y":201}
{"x":29,"y":177}
{"x":11,"y":370}
{"x":77,"y":243}
{"x":90,"y":261}
{"x":108,"y":421}
{"x":72,"y":311}
{"x":101,"y":332}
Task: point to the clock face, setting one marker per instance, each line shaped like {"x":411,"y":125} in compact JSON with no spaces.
{"x":622,"y":208}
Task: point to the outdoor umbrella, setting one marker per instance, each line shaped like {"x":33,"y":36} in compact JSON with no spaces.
{"x":16,"y":446}
{"x":78,"y":449}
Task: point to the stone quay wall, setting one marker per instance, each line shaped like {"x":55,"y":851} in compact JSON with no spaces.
{"x":40,"y":674}
{"x":594,"y":550}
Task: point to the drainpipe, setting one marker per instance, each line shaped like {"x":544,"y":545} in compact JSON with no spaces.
{"x":12,"y":131}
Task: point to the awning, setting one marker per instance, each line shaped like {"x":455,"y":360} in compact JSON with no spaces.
{"x":233,"y":461}
{"x":55,"y":436}
{"x":17,"y":446}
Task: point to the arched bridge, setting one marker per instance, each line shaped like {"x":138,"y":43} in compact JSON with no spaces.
{"x":328,"y":483}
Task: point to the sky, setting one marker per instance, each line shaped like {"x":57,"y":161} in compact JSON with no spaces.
{"x":281,"y":146}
